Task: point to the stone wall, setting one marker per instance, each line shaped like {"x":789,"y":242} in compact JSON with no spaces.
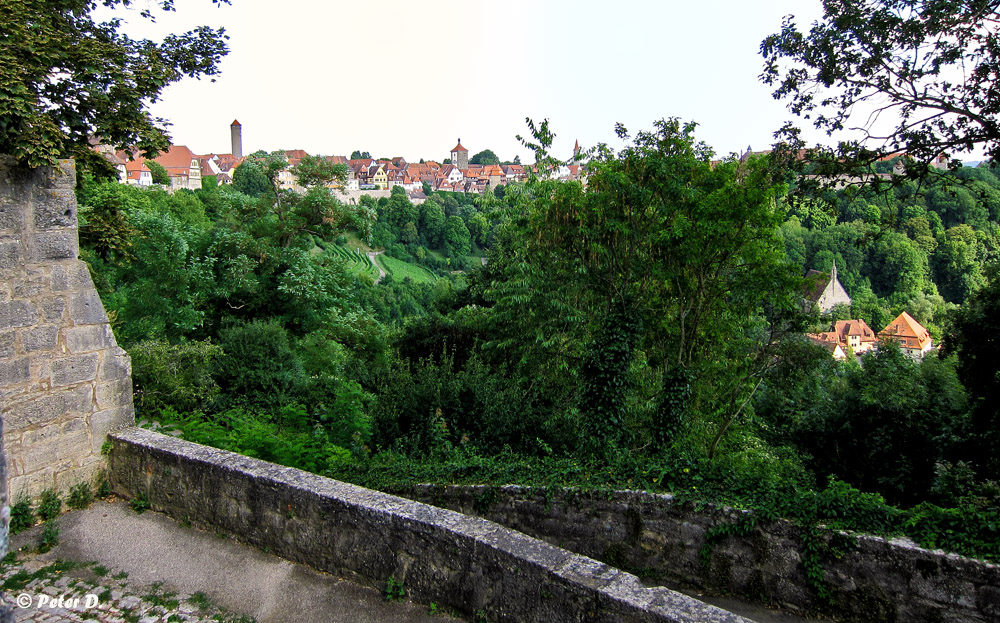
{"x":64,"y":383}
{"x":440,"y":556}
{"x":872,"y":580}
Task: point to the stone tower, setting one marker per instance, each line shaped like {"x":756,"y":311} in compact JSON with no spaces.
{"x":236,"y":132}
{"x":460,"y":156}
{"x":64,"y":382}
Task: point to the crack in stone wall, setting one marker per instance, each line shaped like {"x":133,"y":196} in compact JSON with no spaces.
{"x":64,"y":382}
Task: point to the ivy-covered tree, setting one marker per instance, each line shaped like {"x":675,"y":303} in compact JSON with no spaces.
{"x":66,"y":77}
{"x":664,"y":254}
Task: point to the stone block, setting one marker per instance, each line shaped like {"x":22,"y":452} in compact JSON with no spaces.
{"x":84,"y":470}
{"x":85,"y":308}
{"x":988,"y":601}
{"x":88,"y":338}
{"x":11,"y":210}
{"x":103,"y":422}
{"x":41,"y":436}
{"x":73,"y":425}
{"x":41,"y":370}
{"x":7,"y":344}
{"x":31,"y":287}
{"x":39,"y":338}
{"x":71,"y":276}
{"x":116,"y":365}
{"x":14,"y":371}
{"x":113,"y":394}
{"x":17,"y":314}
{"x":47,"y":246}
{"x":10,"y":254}
{"x":43,"y":407}
{"x":52,"y":307}
{"x":31,"y":484}
{"x":76,"y":369}
{"x":54,"y":210}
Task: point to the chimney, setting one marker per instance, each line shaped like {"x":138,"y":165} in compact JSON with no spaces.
{"x":236,"y":132}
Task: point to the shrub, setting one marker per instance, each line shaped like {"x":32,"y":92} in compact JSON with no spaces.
{"x":175,"y":375}
{"x":80,"y":496}
{"x":50,"y":536}
{"x":259,"y":367}
{"x":22,"y":515}
{"x":49,"y":504}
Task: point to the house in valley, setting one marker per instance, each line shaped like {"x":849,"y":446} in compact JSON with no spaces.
{"x":914,"y":340}
{"x":856,"y":335}
{"x":824,"y":291}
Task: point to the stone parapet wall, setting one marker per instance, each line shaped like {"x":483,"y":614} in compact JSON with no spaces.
{"x":64,"y":382}
{"x":453,"y":560}
{"x":871,"y":579}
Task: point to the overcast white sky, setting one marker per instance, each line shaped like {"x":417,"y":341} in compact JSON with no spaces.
{"x":409,"y":78}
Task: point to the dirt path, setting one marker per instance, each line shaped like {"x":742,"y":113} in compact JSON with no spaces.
{"x":371,"y":258}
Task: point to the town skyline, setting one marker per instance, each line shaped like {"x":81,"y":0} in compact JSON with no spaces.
{"x":330,"y":79}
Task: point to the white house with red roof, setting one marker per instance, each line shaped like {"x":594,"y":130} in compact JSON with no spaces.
{"x":913,"y":338}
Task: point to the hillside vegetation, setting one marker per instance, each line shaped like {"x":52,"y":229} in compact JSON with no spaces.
{"x":642,"y":331}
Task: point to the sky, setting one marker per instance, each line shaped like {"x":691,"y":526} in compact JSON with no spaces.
{"x":410,"y":78}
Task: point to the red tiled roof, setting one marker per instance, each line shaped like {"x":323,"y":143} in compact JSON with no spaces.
{"x":235,"y":122}
{"x":858,"y":327}
{"x":459,"y":146}
{"x":908,"y":331}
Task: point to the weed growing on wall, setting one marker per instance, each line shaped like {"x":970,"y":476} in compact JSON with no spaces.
{"x":22,"y":515}
{"x":49,"y":504}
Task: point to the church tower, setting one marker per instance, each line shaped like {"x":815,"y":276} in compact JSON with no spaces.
{"x":460,"y":156}
{"x":236,"y":133}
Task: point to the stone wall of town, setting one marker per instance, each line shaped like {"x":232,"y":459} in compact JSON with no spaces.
{"x":64,"y":382}
{"x":456,"y":561}
{"x":870,"y":579}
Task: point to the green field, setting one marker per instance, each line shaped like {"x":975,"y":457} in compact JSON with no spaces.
{"x":401,"y":270}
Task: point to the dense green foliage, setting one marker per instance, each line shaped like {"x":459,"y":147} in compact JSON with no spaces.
{"x":641,"y":331}
{"x":911,"y":75}
{"x":65,"y":77}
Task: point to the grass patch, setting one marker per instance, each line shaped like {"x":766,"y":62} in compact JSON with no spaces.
{"x":401,"y":270}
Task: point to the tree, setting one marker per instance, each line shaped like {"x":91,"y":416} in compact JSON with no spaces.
{"x":432,"y":222}
{"x":662,"y":253}
{"x":912,"y":75}
{"x":158,"y":172}
{"x":250,"y":179}
{"x":65,"y":78}
{"x":485,"y":157}
{"x":973,"y":336}
{"x":358,"y":155}
{"x":457,"y":242}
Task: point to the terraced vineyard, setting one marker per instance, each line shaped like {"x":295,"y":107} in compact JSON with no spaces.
{"x":357,"y":261}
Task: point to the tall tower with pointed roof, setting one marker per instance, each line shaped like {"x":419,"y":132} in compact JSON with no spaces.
{"x":236,"y":133}
{"x":460,"y":156}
